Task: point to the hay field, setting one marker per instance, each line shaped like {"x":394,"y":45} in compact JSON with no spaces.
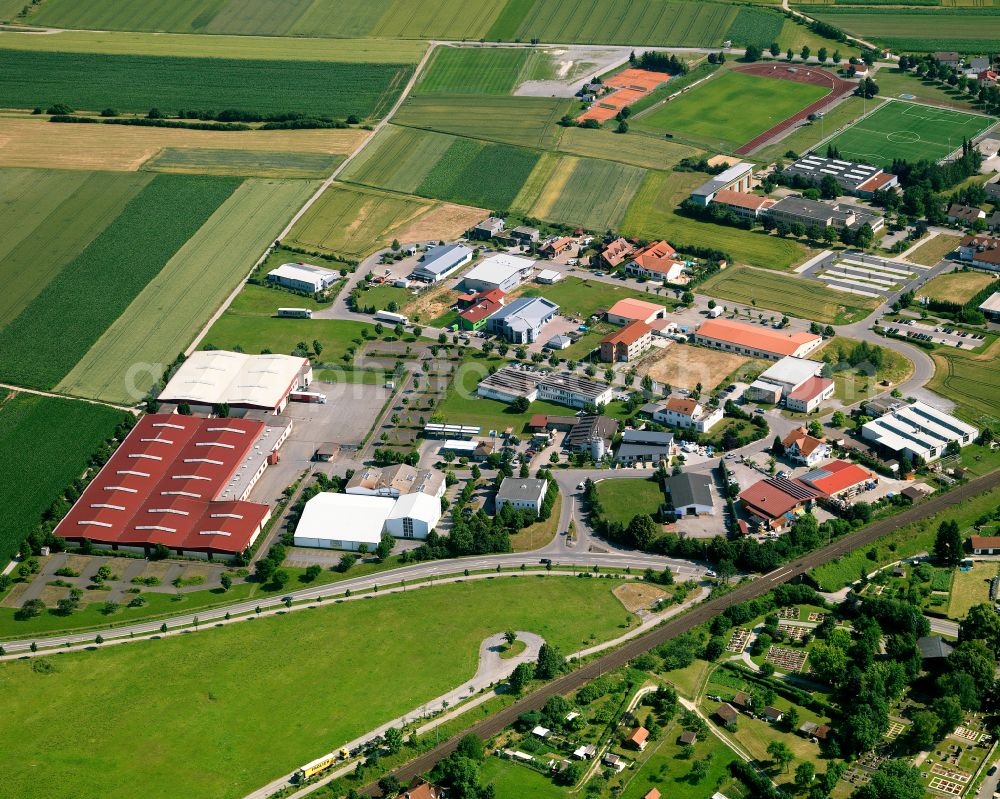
{"x":167,"y":314}
{"x":588,"y":192}
{"x":30,"y":141}
{"x":644,"y":151}
{"x":474,"y":70}
{"x":956,"y":286}
{"x":398,"y":159}
{"x":685,"y":367}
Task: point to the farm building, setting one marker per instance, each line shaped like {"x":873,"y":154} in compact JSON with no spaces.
{"x":840,"y":479}
{"x":777,"y":501}
{"x":617,"y":252}
{"x":521,"y":321}
{"x":439,"y":262}
{"x":217,"y":377}
{"x":991,"y":307}
{"x":181,"y":482}
{"x":687,"y":413}
{"x":756,"y":342}
{"x":303,"y":277}
{"x":522,"y":493}
{"x":851,"y":177}
{"x":745,"y":206}
{"x":655,"y":262}
{"x":502,"y":272}
{"x":690,"y":494}
{"x":985,"y":544}
{"x":487,"y":229}
{"x":627,"y":344}
{"x":645,"y":446}
{"x":804,"y":448}
{"x":738,"y":177}
{"x":632,"y":310}
{"x":917,"y":430}
{"x":783,"y":378}
{"x":395,"y":481}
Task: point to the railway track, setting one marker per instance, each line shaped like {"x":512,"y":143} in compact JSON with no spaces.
{"x":491,"y":726}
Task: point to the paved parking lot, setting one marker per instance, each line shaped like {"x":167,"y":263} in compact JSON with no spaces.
{"x":868,"y":275}
{"x":939,"y":334}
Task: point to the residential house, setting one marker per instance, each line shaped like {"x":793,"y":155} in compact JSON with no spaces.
{"x":627,"y":344}
{"x":804,"y":448}
{"x":687,"y":413}
{"x":948,"y":58}
{"x":487,"y":229}
{"x":616,"y":252}
{"x":964,"y":214}
{"x":638,"y":738}
{"x":982,"y":250}
{"x":557,"y":245}
{"x":985,"y":544}
{"x":655,"y":262}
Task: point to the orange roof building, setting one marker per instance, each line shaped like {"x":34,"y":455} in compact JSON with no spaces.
{"x":755,"y":341}
{"x":655,"y":261}
{"x":638,"y":738}
{"x":748,"y":206}
{"x":631,"y":310}
{"x":804,"y":448}
{"x":628,"y":343}
{"x":839,"y":479}
{"x":617,"y":251}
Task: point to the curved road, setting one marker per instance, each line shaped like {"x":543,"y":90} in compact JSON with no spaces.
{"x":701,"y":613}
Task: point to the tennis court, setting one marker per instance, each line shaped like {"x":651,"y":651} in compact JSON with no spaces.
{"x":908,"y":130}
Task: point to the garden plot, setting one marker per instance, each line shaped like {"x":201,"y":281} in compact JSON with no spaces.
{"x":817,"y":617}
{"x":794,"y":631}
{"x":738,"y":640}
{"x":866,"y":279}
{"x":946,"y":786}
{"x":895,"y":730}
{"x":787,"y":660}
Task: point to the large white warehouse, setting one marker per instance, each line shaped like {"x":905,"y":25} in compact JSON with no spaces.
{"x":346,"y":521}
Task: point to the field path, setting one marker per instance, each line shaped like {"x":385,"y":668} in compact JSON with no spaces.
{"x":23,"y":390}
{"x":417,"y":72}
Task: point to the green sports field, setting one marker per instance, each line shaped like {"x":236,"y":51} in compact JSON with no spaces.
{"x":167,"y":314}
{"x":484,"y":70}
{"x":907,"y":130}
{"x":45,"y":444}
{"x":186,"y":699}
{"x":729,"y":110}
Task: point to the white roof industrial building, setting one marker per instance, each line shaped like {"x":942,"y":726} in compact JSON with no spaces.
{"x":304,"y":277}
{"x":346,"y":521}
{"x":502,"y":272}
{"x":918,"y":430}
{"x":216,"y":377}
{"x":439,"y":262}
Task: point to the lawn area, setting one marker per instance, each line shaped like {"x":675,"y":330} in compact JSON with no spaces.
{"x":959,"y":286}
{"x":806,"y":135}
{"x":852,"y":383}
{"x":512,"y":779}
{"x":353,"y":222}
{"x":795,"y":36}
{"x":970,"y":588}
{"x":624,"y":498}
{"x":97,"y":286}
{"x":972,"y":380}
{"x":644,"y":151}
{"x":537,"y":535}
{"x":690,"y":680}
{"x":45,"y":444}
{"x":173,"y":307}
{"x":704,"y":116}
{"x":893,"y":82}
{"x":653,"y":215}
{"x":794,"y":296}
{"x":474,"y":70}
{"x":899,"y":129}
{"x":526,"y":121}
{"x":582,"y":297}
{"x":901,"y":543}
{"x":179,"y":681}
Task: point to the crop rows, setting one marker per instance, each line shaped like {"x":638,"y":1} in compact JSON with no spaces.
{"x":759,"y":26}
{"x":135,"y":83}
{"x":596,"y":195}
{"x":45,"y":444}
{"x":479,"y":173}
{"x":57,"y":328}
{"x":491,"y":70}
{"x":399,"y":159}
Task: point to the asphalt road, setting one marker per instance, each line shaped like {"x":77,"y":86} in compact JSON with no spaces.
{"x":701,"y":613}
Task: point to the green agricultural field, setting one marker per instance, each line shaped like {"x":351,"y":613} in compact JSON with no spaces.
{"x":587,"y":192}
{"x":972,"y":380}
{"x":907,"y":130}
{"x":967,"y":30}
{"x":364,"y":51}
{"x":35,"y":203}
{"x":56,"y":329}
{"x":642,"y":22}
{"x":45,"y":444}
{"x":806,"y":135}
{"x":353,"y":221}
{"x":528,"y":121}
{"x":794,"y":296}
{"x":478,"y":70}
{"x":644,"y":151}
{"x":479,"y":173}
{"x":653,"y":215}
{"x":137,"y":83}
{"x":173,"y":697}
{"x":582,"y":297}
{"x":248,"y":163}
{"x":796,"y":36}
{"x":398,"y":159}
{"x":705,"y":116}
{"x":167,"y":314}
{"x":754,"y":25}
{"x":622,"y":499}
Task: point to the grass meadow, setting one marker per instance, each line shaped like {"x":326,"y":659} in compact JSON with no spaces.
{"x":581,"y":297}
{"x":907,"y":130}
{"x":785,"y":294}
{"x":353,"y":221}
{"x":171,"y":309}
{"x":479,"y":173}
{"x":622,"y":499}
{"x":172,"y":699}
{"x":34,"y":203}
{"x":478,"y":70}
{"x":644,"y":151}
{"x":959,"y":286}
{"x":653,"y":214}
{"x":45,"y":444}
{"x":527,"y":121}
{"x":972,"y":380}
{"x":398,"y":159}
{"x":706,"y":115}
{"x":60,"y":324}
{"x":137,"y":83}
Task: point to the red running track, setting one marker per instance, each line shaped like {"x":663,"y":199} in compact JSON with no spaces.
{"x":802,"y":74}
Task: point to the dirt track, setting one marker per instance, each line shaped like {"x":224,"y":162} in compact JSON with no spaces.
{"x":489,"y":727}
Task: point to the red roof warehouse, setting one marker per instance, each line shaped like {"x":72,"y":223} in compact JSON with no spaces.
{"x":180,"y":481}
